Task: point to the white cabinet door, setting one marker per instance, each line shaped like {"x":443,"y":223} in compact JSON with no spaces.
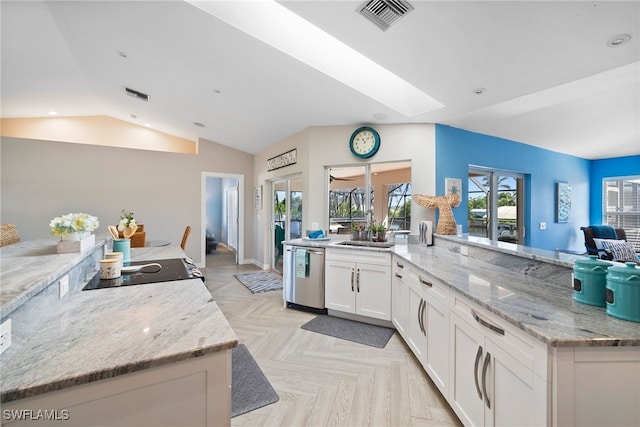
{"x":466,"y":395}
{"x":373,"y":291}
{"x":417,"y":336}
{"x":399,"y":299}
{"x":490,"y":383}
{"x":513,"y":392}
{"x":436,"y":360}
{"x":339,"y":285}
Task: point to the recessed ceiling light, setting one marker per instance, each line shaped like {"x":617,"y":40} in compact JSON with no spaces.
{"x":379,"y":116}
{"x":217,"y":91}
{"x":147,"y":125}
{"x":53,"y":113}
{"x":198,"y":124}
{"x":123,"y":54}
{"x":618,"y":40}
{"x":479,"y":91}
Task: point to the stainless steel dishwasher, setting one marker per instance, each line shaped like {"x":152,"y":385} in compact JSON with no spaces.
{"x":304,"y":278}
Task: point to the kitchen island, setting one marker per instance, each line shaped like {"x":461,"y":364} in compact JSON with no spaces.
{"x":497,"y":330}
{"x":153,"y":354}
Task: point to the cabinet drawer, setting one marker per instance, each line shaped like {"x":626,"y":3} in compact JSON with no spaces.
{"x":529,"y":351}
{"x":359,"y":256}
{"x":399,"y":267}
{"x":432,"y":287}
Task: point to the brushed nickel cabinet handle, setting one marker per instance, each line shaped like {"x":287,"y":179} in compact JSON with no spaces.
{"x":399,"y":276}
{"x":399,"y":265}
{"x":486,"y":324}
{"x":424,"y":311}
{"x":475,"y":371}
{"x":358,"y":281}
{"x":352,"y":273}
{"x":487,"y":360}
{"x":424,"y":282}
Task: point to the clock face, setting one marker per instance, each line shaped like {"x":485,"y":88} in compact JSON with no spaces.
{"x":364,"y":142}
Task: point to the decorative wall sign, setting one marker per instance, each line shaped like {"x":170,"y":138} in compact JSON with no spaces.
{"x":563,"y":201}
{"x":453,"y":186}
{"x":257,"y":197}
{"x":282,"y":160}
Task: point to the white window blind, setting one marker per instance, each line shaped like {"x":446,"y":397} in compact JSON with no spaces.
{"x":621,"y":206}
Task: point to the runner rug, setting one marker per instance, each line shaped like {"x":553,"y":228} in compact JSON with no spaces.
{"x":261,"y":281}
{"x":250,"y":389}
{"x":350,"y":330}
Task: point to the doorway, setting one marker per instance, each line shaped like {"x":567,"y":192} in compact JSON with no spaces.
{"x":221,"y":224}
{"x":496,"y":205}
{"x":286,"y":205}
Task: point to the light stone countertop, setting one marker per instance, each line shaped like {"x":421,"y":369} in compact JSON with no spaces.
{"x":542,"y":307}
{"x":103,"y":333}
{"x":28,"y":267}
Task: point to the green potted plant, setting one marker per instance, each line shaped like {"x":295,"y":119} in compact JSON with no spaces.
{"x":382,"y":233}
{"x":373,"y":231}
{"x":355,"y":231}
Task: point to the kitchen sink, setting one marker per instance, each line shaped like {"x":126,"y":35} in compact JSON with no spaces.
{"x":366,"y":243}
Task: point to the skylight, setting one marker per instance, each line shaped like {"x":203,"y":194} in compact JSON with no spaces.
{"x":264,"y":20}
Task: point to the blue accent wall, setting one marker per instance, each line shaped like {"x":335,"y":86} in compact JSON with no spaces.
{"x":608,"y":168}
{"x":457,"y":149}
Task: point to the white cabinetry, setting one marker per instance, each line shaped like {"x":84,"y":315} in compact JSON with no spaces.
{"x":429,"y":325}
{"x":358,"y":282}
{"x":498,"y":372}
{"x":399,"y":298}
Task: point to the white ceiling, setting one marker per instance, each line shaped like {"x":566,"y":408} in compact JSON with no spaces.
{"x":550,"y":78}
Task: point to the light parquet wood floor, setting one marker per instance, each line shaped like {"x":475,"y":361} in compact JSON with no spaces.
{"x":324,"y":381}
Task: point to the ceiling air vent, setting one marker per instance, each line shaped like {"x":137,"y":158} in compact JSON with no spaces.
{"x":384,"y":13}
{"x":138,"y":95}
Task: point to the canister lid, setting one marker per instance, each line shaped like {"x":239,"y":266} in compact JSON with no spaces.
{"x":590,"y":262}
{"x":629,"y":271}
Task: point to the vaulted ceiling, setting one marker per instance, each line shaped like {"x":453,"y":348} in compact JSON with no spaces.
{"x":548,"y":74}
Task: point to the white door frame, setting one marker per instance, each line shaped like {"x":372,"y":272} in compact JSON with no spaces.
{"x":203,"y":214}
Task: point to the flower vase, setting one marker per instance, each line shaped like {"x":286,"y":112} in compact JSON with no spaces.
{"x":76,"y":242}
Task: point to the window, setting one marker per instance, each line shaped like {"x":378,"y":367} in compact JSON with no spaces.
{"x":496,"y":205}
{"x":621,"y":206}
{"x":379,"y":192}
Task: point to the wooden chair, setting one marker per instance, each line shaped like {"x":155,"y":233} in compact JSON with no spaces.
{"x":8,"y":235}
{"x":185,"y":236}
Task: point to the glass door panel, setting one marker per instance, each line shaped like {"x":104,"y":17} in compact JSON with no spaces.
{"x":496,"y":205}
{"x":287,"y":216}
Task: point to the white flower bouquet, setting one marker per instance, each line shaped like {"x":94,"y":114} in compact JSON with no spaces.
{"x":126,"y":220}
{"x":73,"y":223}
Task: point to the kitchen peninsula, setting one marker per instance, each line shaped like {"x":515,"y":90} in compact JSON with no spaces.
{"x":496,"y":328}
{"x":153,"y":354}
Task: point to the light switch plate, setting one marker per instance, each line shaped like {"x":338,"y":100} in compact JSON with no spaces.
{"x":5,"y":335}
{"x":63,"y":286}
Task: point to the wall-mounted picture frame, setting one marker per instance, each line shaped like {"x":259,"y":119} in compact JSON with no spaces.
{"x":563,"y":202}
{"x":453,"y":186}
{"x":257,"y":197}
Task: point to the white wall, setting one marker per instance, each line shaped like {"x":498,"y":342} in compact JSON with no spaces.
{"x":319,"y":147}
{"x":44,"y":179}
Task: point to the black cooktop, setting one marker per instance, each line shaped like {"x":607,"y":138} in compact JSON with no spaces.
{"x":172,"y":269}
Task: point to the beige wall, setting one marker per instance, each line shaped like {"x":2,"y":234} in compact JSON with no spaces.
{"x":45,"y":179}
{"x":319,"y":147}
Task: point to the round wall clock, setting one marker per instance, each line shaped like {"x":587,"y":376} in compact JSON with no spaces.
{"x":364,"y":142}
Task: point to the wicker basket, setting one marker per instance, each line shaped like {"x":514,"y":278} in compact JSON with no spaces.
{"x":8,"y":235}
{"x":138,"y":240}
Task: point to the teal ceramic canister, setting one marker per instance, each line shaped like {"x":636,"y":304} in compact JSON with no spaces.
{"x":623,"y":292}
{"x":589,"y":281}
{"x":124,"y":246}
